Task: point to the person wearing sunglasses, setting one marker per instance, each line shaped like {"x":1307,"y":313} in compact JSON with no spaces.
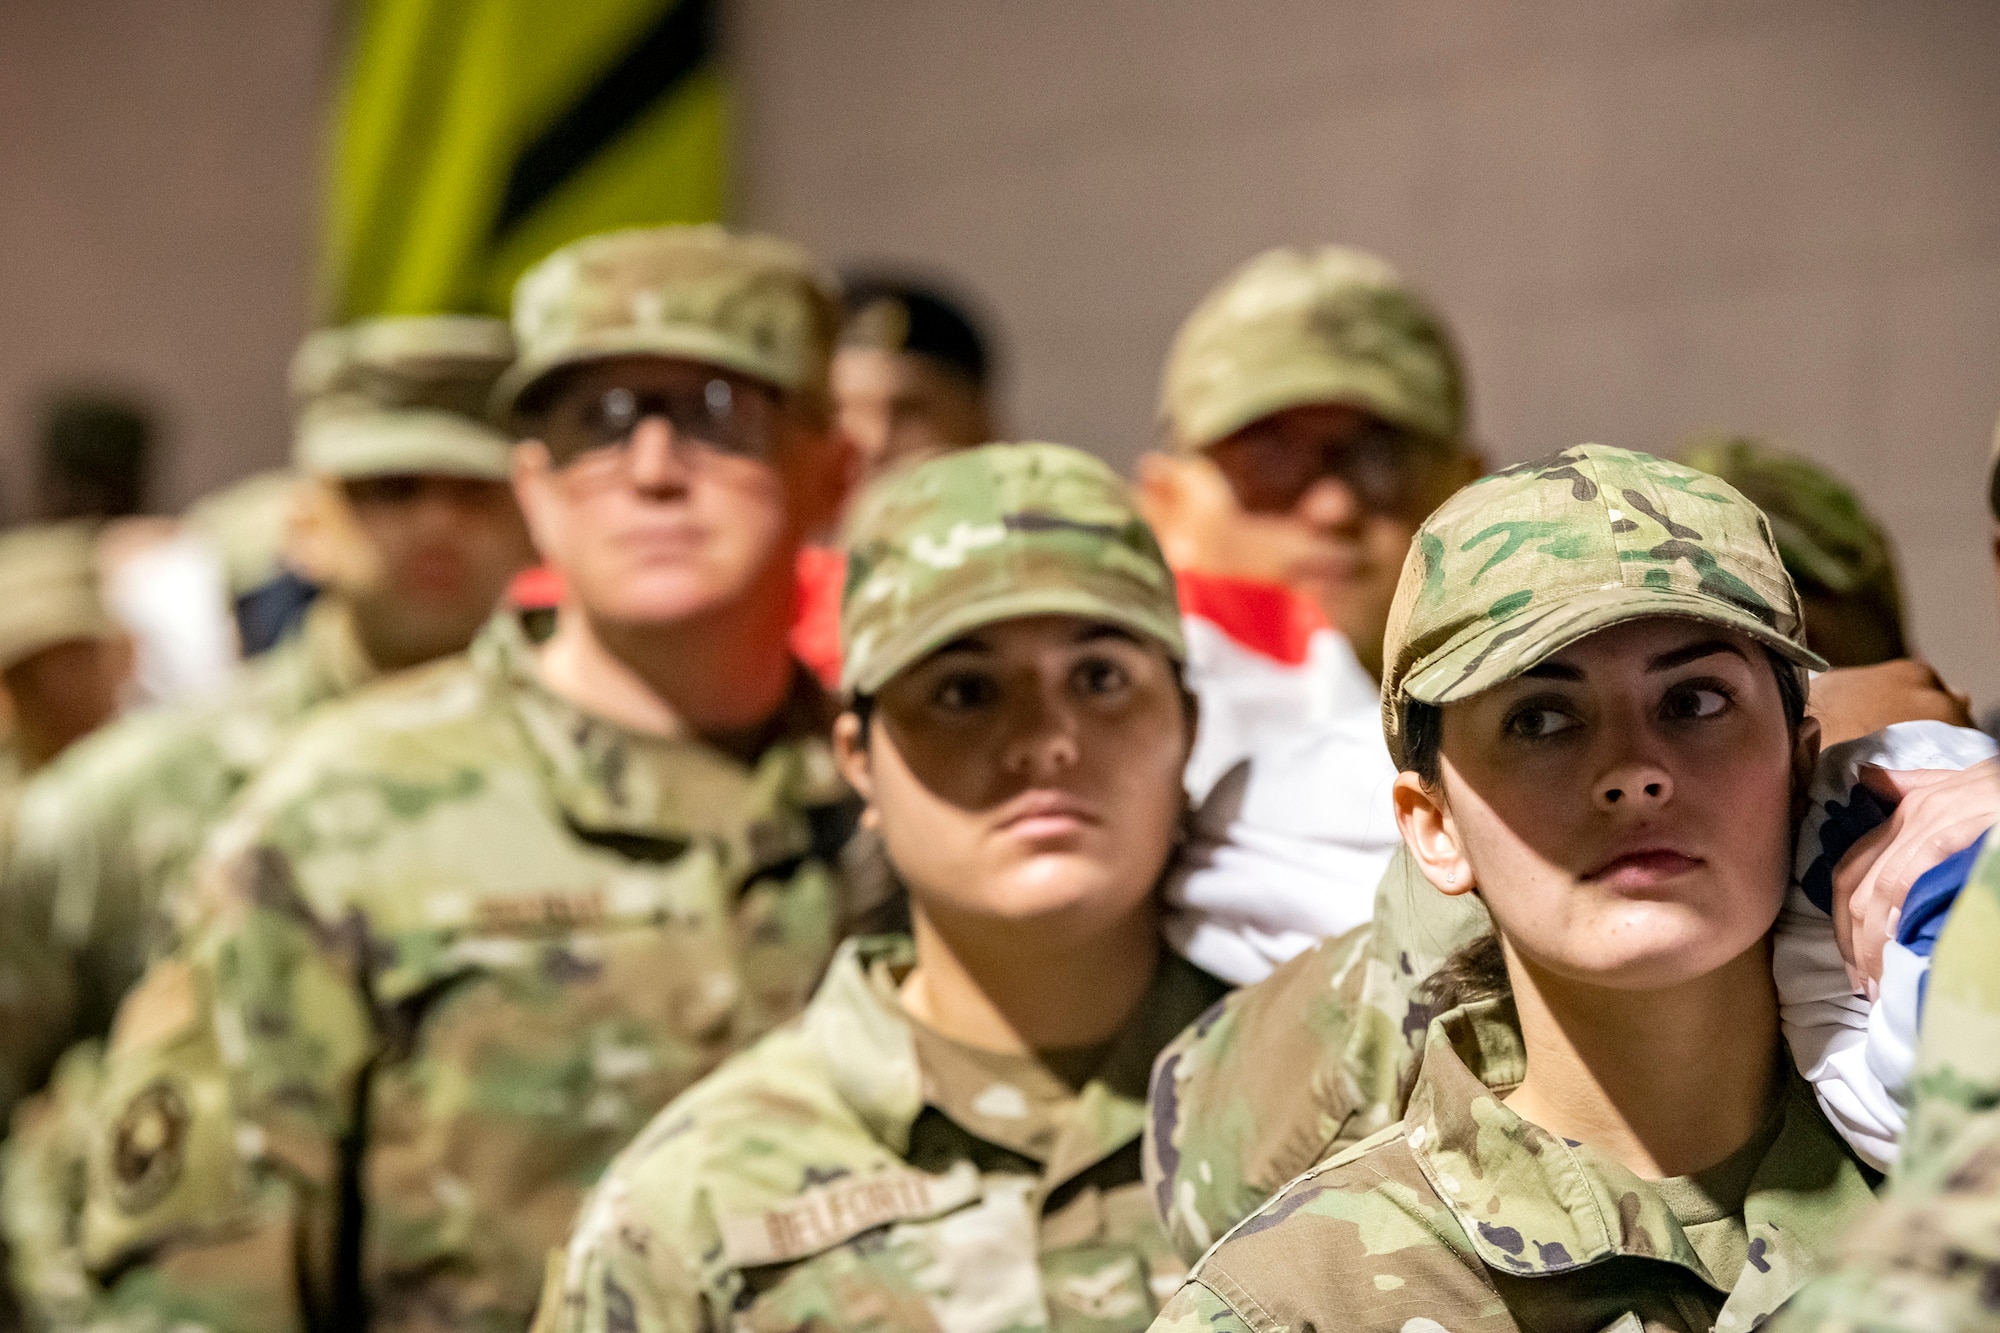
{"x":465,"y":936}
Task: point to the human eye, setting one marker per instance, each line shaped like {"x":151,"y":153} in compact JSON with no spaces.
{"x":1692,"y":700}
{"x":1539,"y":720}
{"x":964,"y":692}
{"x":1100,"y":677}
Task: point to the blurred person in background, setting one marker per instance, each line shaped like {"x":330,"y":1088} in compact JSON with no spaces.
{"x":93,"y":456}
{"x":406,"y":519}
{"x":1313,"y":409}
{"x":64,"y":660}
{"x":1835,"y":550}
{"x":246,"y":526}
{"x":942,"y":1143}
{"x":469,"y":930}
{"x":913,"y":374}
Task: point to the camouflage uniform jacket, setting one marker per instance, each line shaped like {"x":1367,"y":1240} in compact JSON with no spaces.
{"x":1289,"y":1071}
{"x":1465,"y":1216}
{"x":108,"y":833}
{"x":455,"y":947}
{"x":847,"y":1174}
{"x":1930,"y":1258}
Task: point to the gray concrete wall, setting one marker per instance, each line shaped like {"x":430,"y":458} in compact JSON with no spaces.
{"x":1646,"y":217}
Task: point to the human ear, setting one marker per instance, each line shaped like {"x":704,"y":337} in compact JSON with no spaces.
{"x":850,"y":755}
{"x":1431,"y":834}
{"x":1805,"y":757}
{"x":824,"y":466}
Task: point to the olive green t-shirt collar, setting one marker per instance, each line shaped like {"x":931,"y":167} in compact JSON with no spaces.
{"x":858,"y":1015}
{"x":1533,"y":1204}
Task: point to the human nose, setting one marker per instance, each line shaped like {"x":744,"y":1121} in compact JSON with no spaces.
{"x":656,"y":456}
{"x":1043,"y":741}
{"x":1329,"y":502}
{"x":1635,"y":783}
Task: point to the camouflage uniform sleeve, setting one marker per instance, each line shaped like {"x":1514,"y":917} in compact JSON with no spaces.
{"x":1254,"y":1093}
{"x":1928,"y":1259}
{"x":230,"y":1088}
{"x":619,"y":1276}
{"x":1195,"y":1308}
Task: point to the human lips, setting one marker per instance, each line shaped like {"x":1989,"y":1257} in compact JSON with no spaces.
{"x":1642,"y":868}
{"x":1040,"y":815}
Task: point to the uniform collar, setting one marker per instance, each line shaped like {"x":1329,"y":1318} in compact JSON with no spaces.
{"x":659,"y":793}
{"x":323,"y":660}
{"x":858,"y":1015}
{"x":1533,"y":1204}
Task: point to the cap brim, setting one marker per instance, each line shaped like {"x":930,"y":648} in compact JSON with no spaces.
{"x":919,"y":640}
{"x":1305,"y":385}
{"x":379,"y":444}
{"x":1496,"y":652}
{"x":518,"y":383}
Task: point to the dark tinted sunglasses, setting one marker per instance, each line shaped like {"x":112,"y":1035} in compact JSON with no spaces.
{"x":1271,"y":470}
{"x":728,"y":415}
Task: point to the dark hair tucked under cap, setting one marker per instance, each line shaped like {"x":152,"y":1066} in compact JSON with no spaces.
{"x":900,"y":316}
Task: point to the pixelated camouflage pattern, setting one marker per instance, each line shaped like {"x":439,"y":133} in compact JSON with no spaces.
{"x":1287,"y":1072}
{"x":95,"y":880}
{"x":992,"y":533}
{"x":49,"y":589}
{"x":823,"y":1179}
{"x":452,"y":949}
{"x":1826,"y":537}
{"x":1464,"y":1216}
{"x":1295,"y":327}
{"x":1929,"y":1260}
{"x":748,"y":303}
{"x":401,"y":394}
{"x":1524,"y":562}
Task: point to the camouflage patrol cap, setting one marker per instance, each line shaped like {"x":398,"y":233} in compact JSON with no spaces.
{"x":1294,"y":327}
{"x":752,"y":304}
{"x":993,"y":533}
{"x":401,"y":394}
{"x":49,"y":590}
{"x":1523,"y":563}
{"x":1826,"y":538}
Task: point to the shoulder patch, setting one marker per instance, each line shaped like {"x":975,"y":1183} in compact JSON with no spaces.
{"x":824,"y":1216}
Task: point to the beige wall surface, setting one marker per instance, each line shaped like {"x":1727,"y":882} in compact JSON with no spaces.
{"x":158,"y":164}
{"x":1645,"y":218}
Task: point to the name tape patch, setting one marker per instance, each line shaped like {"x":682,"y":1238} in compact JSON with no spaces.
{"x":826,"y":1215}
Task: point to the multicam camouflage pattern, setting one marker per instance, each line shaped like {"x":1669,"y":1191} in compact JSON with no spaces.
{"x":751,"y":304}
{"x":1522,"y":563}
{"x":401,"y":394}
{"x":1929,"y":1260}
{"x":845,"y":1174}
{"x":1465,"y":1216}
{"x":1296,"y":327}
{"x":49,"y":589}
{"x":453,"y":948}
{"x":1288,"y":1072}
{"x":1827,"y":540}
{"x":992,"y":533}
{"x":95,"y":881}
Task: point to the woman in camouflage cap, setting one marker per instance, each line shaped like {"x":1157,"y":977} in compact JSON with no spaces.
{"x":947,"y":1141}
{"x":1595,"y":690}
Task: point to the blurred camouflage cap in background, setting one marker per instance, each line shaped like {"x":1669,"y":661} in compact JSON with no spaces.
{"x":401,"y":394}
{"x":1826,"y":538}
{"x":1525,"y":562}
{"x":49,"y":589}
{"x":752,"y":304}
{"x":993,"y":533}
{"x":1294,"y":327}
